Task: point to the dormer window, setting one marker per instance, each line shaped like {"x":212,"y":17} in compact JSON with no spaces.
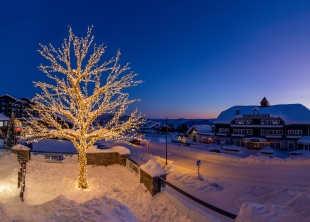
{"x":240,"y":121}
{"x":270,"y":121}
{"x":275,"y":122}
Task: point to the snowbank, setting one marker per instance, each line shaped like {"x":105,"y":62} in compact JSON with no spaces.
{"x":153,"y":168}
{"x":20,"y":147}
{"x":304,"y":153}
{"x":115,"y":195}
{"x":63,"y":209}
{"x":9,"y":167}
{"x":256,"y":213}
{"x":115,"y":149}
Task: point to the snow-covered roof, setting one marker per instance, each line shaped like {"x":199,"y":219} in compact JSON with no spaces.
{"x":304,"y":140}
{"x":9,"y":96}
{"x":289,"y":113}
{"x":150,"y":125}
{"x":3,"y":117}
{"x":201,"y":129}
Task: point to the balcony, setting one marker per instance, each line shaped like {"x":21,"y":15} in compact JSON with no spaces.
{"x":274,"y":136}
{"x":256,"y":126}
{"x":238,"y":135}
{"x":221,"y":134}
{"x":293,"y":136}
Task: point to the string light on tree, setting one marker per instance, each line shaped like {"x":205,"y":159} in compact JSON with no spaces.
{"x":79,"y":96}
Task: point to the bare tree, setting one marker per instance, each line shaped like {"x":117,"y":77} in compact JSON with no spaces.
{"x":78,"y":96}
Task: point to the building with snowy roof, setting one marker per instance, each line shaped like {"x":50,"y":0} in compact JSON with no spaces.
{"x":9,"y":105}
{"x":255,"y":127}
{"x":200,"y":133}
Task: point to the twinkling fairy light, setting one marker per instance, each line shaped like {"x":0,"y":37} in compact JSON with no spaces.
{"x":68,"y":107}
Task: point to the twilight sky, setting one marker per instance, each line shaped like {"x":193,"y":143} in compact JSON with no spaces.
{"x":196,"y":58}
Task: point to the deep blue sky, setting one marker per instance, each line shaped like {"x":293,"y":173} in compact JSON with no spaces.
{"x":196,"y":58}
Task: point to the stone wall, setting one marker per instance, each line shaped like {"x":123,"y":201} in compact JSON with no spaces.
{"x":106,"y":159}
{"x":151,"y":183}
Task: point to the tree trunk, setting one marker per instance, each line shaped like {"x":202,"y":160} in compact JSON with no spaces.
{"x":82,"y":177}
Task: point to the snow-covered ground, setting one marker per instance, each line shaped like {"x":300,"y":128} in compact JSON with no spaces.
{"x":244,"y":183}
{"x":229,"y":179}
{"x":115,"y":195}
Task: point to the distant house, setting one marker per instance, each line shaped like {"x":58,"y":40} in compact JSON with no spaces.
{"x":9,"y":104}
{"x":200,"y":133}
{"x":149,"y":127}
{"x":255,"y":127}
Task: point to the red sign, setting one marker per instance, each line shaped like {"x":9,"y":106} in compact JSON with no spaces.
{"x":18,"y":129}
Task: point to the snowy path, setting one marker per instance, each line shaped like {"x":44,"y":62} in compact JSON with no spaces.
{"x":229,"y":181}
{"x":232,"y":168}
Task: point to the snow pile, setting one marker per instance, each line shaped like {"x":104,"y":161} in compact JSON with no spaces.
{"x":256,"y":213}
{"x":233,"y":148}
{"x":153,"y":168}
{"x":267,"y":150}
{"x":115,"y":149}
{"x":121,"y":150}
{"x":275,"y":161}
{"x":9,"y":168}
{"x":115,"y":195}
{"x":298,"y":160}
{"x":20,"y":147}
{"x":304,"y":153}
{"x":63,"y":209}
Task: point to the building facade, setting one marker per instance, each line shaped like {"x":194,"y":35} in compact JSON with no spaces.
{"x":9,"y":104}
{"x":200,"y":133}
{"x":255,"y":127}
